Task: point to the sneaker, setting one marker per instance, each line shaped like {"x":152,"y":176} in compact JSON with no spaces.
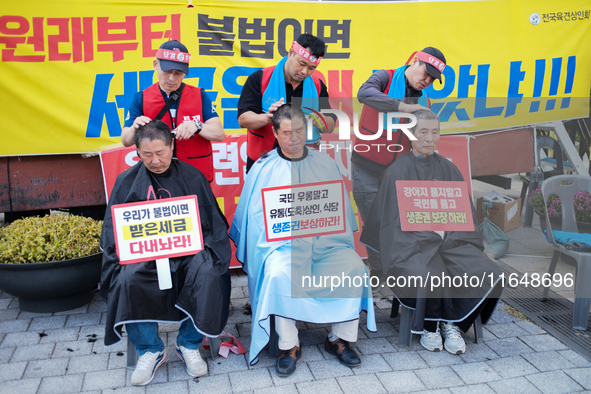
{"x":195,"y":364}
{"x":453,"y":341}
{"x":432,"y":340}
{"x":146,"y":368}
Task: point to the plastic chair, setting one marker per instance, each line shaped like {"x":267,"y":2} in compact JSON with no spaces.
{"x":566,"y":193}
{"x":274,"y":350}
{"x":406,"y":317}
{"x":539,"y":174}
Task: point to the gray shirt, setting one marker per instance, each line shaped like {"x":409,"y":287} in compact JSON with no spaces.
{"x":372,"y":93}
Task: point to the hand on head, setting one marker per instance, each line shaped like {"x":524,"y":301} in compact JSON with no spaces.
{"x":273,"y":108}
{"x":140,"y":121}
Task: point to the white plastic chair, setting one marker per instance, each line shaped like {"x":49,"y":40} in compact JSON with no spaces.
{"x":566,"y":193}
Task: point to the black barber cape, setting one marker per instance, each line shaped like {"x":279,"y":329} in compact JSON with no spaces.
{"x":426,"y":253}
{"x":200,"y":282}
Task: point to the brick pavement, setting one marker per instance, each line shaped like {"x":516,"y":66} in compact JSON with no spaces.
{"x":64,"y":352}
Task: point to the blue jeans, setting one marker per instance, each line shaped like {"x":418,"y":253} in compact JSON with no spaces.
{"x":145,"y":338}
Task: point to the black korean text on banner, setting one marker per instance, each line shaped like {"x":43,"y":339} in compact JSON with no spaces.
{"x":305,"y":210}
{"x":157,"y":229}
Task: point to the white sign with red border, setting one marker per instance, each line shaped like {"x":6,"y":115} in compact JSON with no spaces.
{"x":305,"y":210}
{"x":157,"y":229}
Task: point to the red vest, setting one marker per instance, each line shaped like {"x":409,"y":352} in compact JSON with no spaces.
{"x":262,"y":140}
{"x":368,"y":125}
{"x":195,"y":151}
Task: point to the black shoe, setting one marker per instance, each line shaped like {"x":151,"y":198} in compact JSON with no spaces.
{"x":286,"y":363}
{"x":343,"y":351}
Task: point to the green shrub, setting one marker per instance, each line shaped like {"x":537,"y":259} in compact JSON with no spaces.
{"x":50,"y":238}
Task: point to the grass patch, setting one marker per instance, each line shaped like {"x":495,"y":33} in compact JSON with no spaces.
{"x":515,"y":313}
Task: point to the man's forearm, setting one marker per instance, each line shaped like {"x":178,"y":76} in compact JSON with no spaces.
{"x":382,"y":104}
{"x":372,"y":93}
{"x":330,"y":123}
{"x":252,"y":121}
{"x":212,"y":130}
{"x":128,"y":135}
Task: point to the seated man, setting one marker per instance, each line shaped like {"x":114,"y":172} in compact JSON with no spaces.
{"x":422,"y":253}
{"x":200,"y":294}
{"x":275,"y":269}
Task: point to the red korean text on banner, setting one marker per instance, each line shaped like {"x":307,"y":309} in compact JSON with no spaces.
{"x":306,"y":210}
{"x":157,"y":229}
{"x":434,"y":206}
{"x":82,"y":38}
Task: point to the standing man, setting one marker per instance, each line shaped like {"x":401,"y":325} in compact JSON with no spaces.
{"x":267,"y":89}
{"x":184,"y":108}
{"x":398,"y":90}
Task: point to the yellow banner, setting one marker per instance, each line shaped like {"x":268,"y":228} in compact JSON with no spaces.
{"x":70,"y":68}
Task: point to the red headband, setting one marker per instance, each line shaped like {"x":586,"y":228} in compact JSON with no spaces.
{"x":175,"y":55}
{"x":303,"y":52}
{"x":432,"y":60}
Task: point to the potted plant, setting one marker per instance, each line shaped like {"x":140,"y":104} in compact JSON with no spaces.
{"x":51,"y":263}
{"x":582,"y":204}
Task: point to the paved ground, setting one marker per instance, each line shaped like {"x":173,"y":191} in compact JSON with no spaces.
{"x":64,"y":352}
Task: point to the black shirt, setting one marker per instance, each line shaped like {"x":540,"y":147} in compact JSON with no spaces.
{"x":251,"y":97}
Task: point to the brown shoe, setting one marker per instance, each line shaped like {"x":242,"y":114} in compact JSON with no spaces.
{"x":343,"y":351}
{"x":286,"y":363}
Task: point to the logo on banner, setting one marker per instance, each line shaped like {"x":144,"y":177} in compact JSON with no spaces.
{"x":392,"y":125}
{"x":157,"y":229}
{"x":307,"y":210}
{"x":434,"y":206}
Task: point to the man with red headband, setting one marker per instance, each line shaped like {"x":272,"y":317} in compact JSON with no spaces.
{"x":184,"y":108}
{"x":267,"y":89}
{"x":398,"y":90}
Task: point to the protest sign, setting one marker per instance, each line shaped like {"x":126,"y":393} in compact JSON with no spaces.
{"x":434,"y":206}
{"x":306,"y":210}
{"x":157,"y":229}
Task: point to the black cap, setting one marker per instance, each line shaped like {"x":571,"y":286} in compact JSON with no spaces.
{"x":166,"y":64}
{"x":432,"y":71}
